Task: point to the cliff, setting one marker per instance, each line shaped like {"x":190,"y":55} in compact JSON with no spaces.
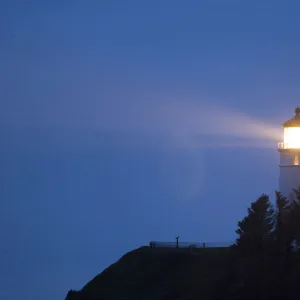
{"x":159,"y":273}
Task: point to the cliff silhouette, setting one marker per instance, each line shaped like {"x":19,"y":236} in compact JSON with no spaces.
{"x":159,"y":273}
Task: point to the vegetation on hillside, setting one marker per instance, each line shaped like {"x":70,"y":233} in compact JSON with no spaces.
{"x":266,"y":252}
{"x":263,"y":263}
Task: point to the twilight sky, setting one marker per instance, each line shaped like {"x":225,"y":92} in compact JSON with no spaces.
{"x":125,"y":121}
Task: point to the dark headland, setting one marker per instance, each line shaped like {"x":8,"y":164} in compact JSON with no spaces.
{"x":263,"y":263}
{"x":159,"y":273}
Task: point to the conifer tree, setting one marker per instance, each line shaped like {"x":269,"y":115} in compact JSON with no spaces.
{"x":254,"y":231}
{"x":252,"y":245}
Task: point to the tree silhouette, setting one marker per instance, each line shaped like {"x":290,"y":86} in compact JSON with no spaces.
{"x":267,"y":260}
{"x":253,"y":244}
{"x":255,"y":230}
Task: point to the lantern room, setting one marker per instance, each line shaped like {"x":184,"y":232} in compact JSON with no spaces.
{"x":291,"y":139}
{"x":289,"y":149}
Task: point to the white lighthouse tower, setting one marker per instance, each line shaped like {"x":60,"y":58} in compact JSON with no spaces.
{"x":289,"y":149}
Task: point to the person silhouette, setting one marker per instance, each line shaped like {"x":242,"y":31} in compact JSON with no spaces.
{"x":177,"y":244}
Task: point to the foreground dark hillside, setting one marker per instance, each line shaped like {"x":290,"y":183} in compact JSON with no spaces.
{"x":159,"y":273}
{"x":264,"y":263}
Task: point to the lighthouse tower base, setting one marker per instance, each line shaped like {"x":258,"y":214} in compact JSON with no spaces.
{"x":289,"y":178}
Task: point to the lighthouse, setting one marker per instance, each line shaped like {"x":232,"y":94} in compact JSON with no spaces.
{"x":289,"y":149}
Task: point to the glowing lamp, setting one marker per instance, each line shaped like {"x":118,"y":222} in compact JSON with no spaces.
{"x":291,"y":138}
{"x":289,"y":149}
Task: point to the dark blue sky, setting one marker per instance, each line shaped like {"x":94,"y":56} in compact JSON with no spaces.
{"x":129,"y":121}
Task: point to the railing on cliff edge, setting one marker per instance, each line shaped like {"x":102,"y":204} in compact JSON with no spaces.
{"x":156,"y":244}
